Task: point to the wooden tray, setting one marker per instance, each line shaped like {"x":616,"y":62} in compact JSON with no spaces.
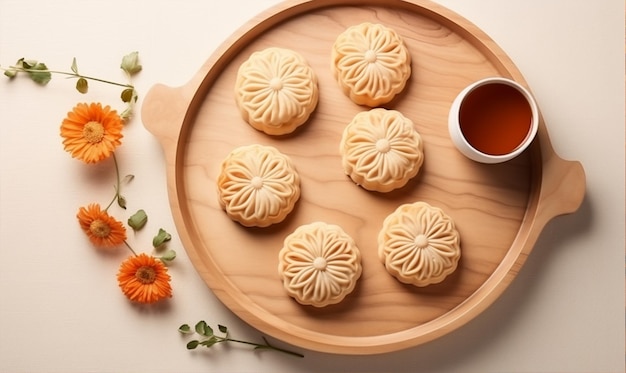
{"x":499,"y":210}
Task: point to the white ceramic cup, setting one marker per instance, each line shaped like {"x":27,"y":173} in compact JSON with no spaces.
{"x":461,"y":142}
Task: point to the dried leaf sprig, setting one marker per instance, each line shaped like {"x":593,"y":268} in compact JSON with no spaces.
{"x":142,"y":278}
{"x":210,"y":339}
{"x":39,"y":73}
{"x":91,"y":133}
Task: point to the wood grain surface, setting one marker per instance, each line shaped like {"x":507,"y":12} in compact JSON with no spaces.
{"x":499,"y":209}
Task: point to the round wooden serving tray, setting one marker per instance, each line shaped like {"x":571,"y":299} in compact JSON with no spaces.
{"x":499,"y":210}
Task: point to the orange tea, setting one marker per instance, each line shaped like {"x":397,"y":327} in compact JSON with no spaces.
{"x":495,"y":118}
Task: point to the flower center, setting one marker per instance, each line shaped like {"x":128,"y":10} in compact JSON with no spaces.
{"x":383,"y":146}
{"x":319,"y":263}
{"x":421,"y":241}
{"x":370,"y":56}
{"x":256,"y":182}
{"x":146,"y":275}
{"x":276,"y":84}
{"x":99,"y":228}
{"x":93,"y":132}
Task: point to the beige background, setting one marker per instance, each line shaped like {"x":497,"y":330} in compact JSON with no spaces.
{"x":61,"y":310}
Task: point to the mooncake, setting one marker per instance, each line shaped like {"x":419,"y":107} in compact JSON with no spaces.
{"x":381,"y":150}
{"x":371,"y":63}
{"x":419,"y":244}
{"x":258,"y":185}
{"x":276,"y":90}
{"x":319,"y":264}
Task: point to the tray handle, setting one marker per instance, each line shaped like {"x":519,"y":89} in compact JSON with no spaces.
{"x":562,"y":188}
{"x":164,"y":108}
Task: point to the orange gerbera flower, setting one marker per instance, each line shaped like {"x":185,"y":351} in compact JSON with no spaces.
{"x":144,"y":279}
{"x":101,"y":228}
{"x":91,"y":133}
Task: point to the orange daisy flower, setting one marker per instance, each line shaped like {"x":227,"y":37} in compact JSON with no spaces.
{"x":91,"y":133}
{"x":101,"y":228}
{"x":144,"y":279}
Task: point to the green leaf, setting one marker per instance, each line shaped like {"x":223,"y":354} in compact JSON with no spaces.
{"x":74,"y":66}
{"x":222,"y":329}
{"x":208,"y":332}
{"x":127,"y":94}
{"x":27,"y":64}
{"x":185,"y":329}
{"x":192,"y":345}
{"x":128,"y":178}
{"x":161,"y":238}
{"x":82,"y":86}
{"x":130,"y":63}
{"x":203,"y":329}
{"x":209,"y":342}
{"x":39,"y":73}
{"x":138,"y":220}
{"x":169,"y":255}
{"x":127,"y":113}
{"x":200,"y":327}
{"x":121,"y":201}
{"x":11,"y":73}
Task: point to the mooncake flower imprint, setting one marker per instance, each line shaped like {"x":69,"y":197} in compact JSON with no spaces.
{"x":381,"y":150}
{"x":319,"y":264}
{"x":419,"y":244}
{"x":276,"y":90}
{"x":371,"y":63}
{"x":258,"y":185}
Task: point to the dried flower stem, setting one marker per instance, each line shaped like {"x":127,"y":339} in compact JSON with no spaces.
{"x":118,"y":183}
{"x":67,"y":73}
{"x":130,"y":248}
{"x":211,"y":339}
{"x":40,"y":74}
{"x":117,"y":197}
{"x":262,"y":346}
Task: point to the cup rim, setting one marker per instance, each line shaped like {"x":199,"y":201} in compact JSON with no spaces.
{"x":466,"y":147}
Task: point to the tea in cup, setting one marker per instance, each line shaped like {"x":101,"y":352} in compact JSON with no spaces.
{"x":493,"y":120}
